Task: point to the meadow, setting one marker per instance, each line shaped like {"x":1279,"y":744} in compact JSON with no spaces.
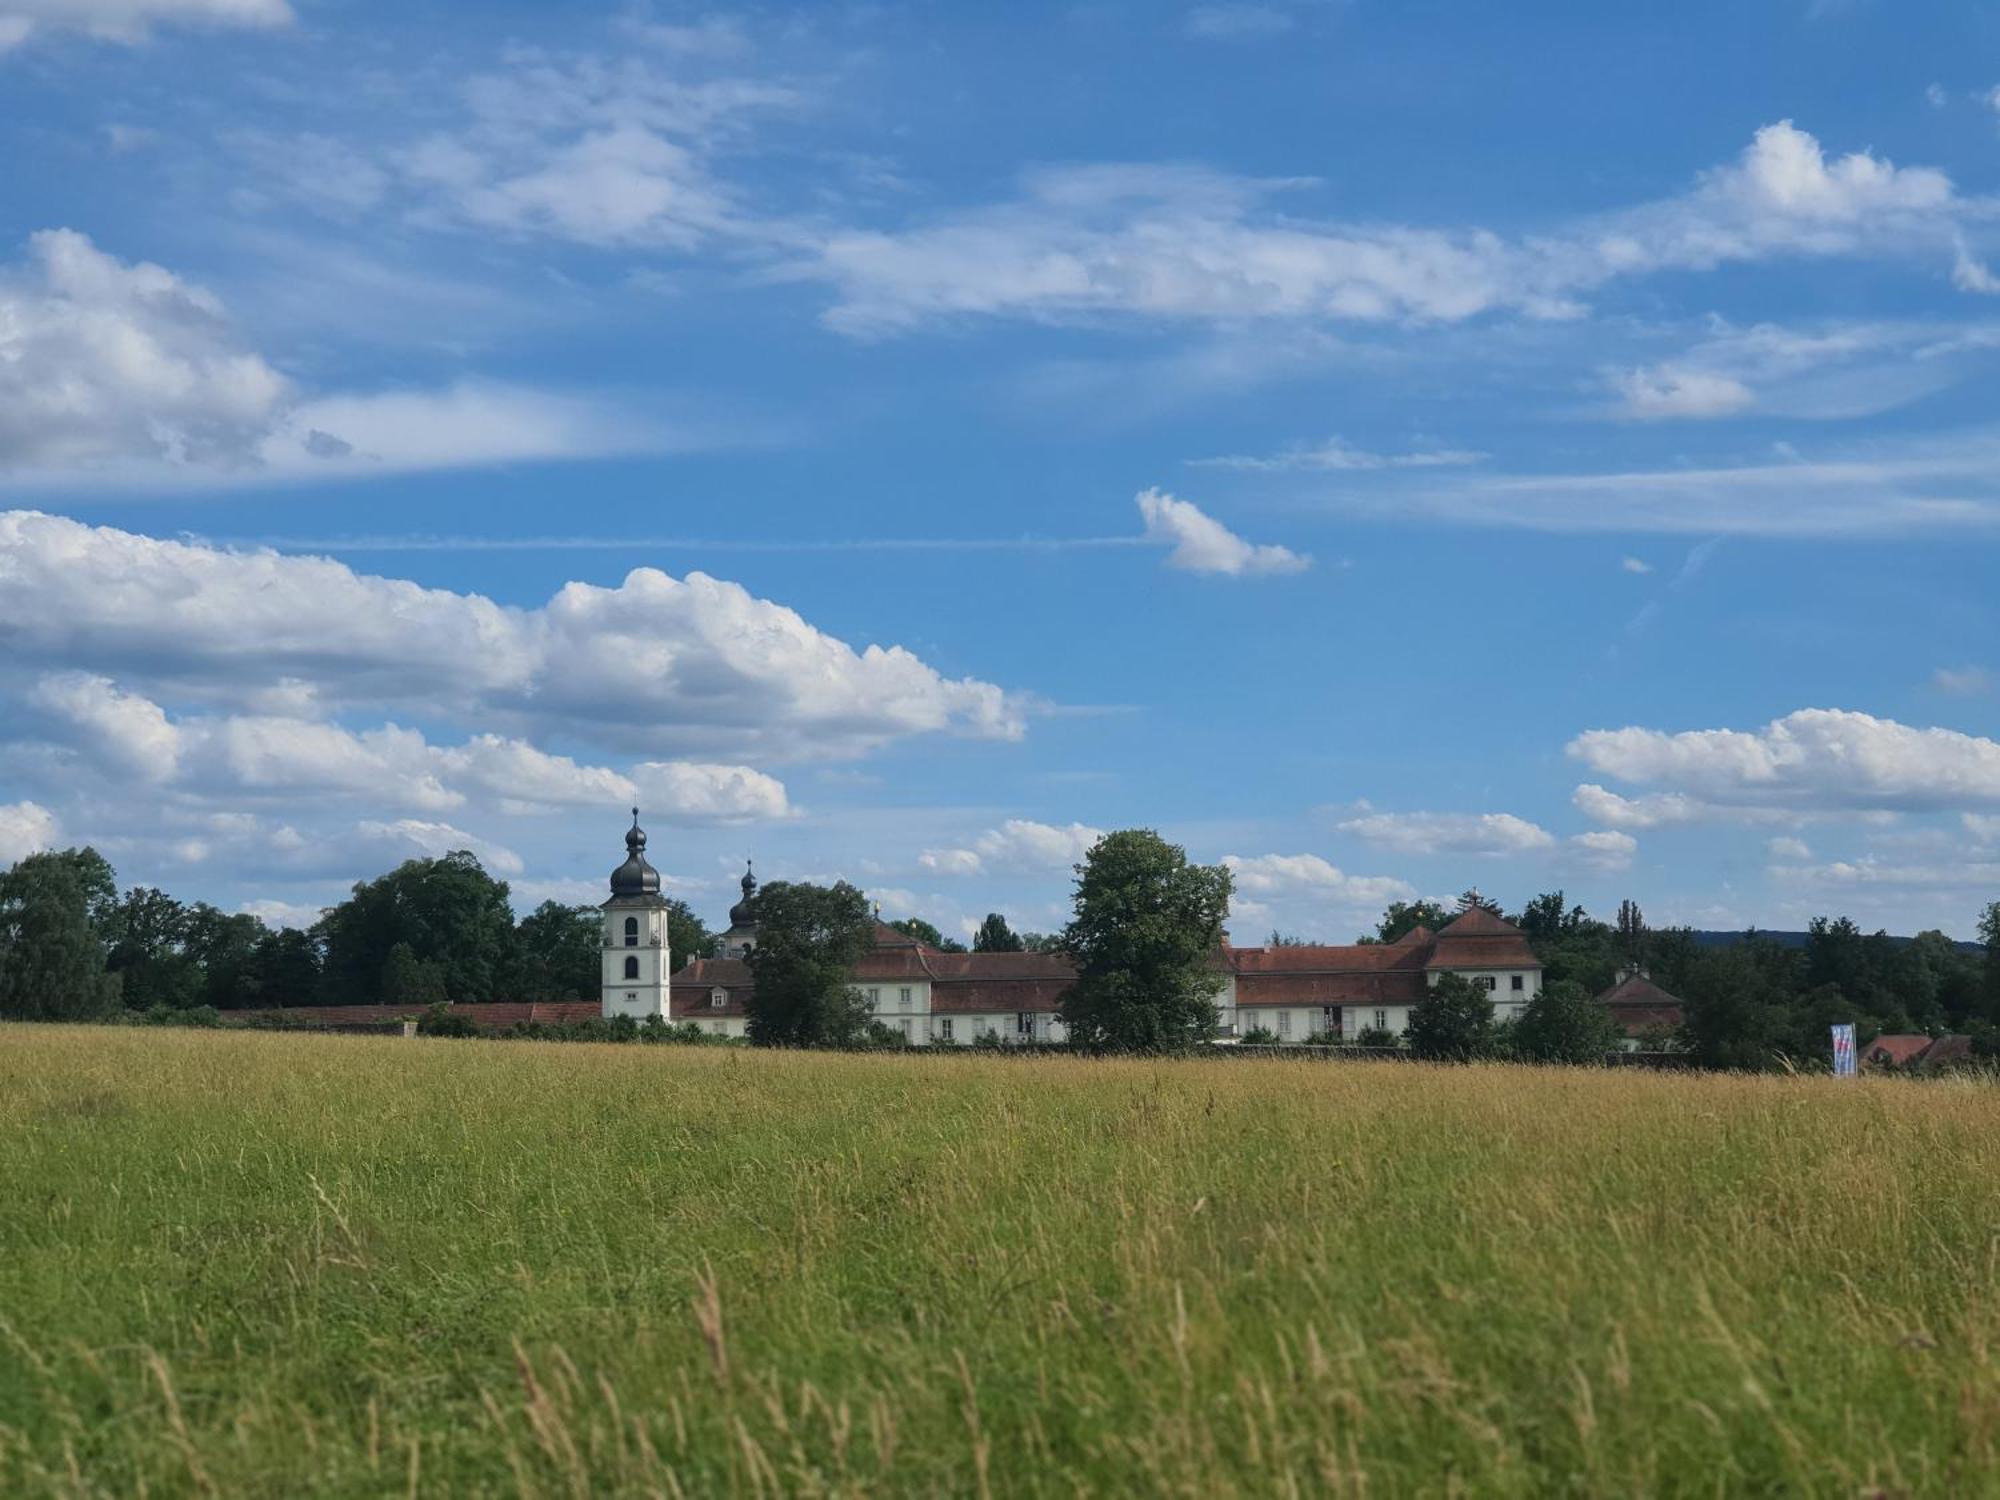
{"x":276,"y":1265}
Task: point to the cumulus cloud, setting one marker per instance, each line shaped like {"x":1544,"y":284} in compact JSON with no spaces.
{"x":1605,"y":852}
{"x":1449,"y":833}
{"x":125,"y":373}
{"x":655,"y":662}
{"x":1811,"y":760}
{"x":1602,"y":805}
{"x":1202,"y":544}
{"x":131,"y":20}
{"x":1787,"y":849}
{"x":1283,"y":875}
{"x":25,"y":828}
{"x":1017,"y":844}
{"x":1670,"y":391}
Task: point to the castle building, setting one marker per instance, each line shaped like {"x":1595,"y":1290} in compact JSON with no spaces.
{"x":1294,"y":993}
{"x":638,"y":959}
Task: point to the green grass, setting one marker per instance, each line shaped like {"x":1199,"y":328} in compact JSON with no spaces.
{"x":252,"y":1264}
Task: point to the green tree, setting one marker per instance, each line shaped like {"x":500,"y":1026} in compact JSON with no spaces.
{"x":409,"y":982}
{"x":1453,"y":1022}
{"x":1563,"y":1024}
{"x":1736,"y":1005}
{"x":558,"y":954}
{"x":1405,"y":916}
{"x":1632,"y":933}
{"x":1989,"y":934}
{"x":1146,"y":928}
{"x":687,"y":936}
{"x":928,"y":935}
{"x":51,"y":954}
{"x":809,"y":938}
{"x":449,"y":911}
{"x":223,"y":945}
{"x":146,"y":937}
{"x":995,"y":936}
{"x":285,"y":968}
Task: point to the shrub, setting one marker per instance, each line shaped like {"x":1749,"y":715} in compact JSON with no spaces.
{"x":1260,"y":1036}
{"x":440,"y":1020}
{"x":1376,"y":1036}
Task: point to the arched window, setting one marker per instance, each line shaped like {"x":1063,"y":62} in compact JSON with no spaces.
{"x":631,"y":932}
{"x":631,"y":968}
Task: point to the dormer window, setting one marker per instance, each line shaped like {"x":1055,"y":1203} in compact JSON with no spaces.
{"x":631,"y":932}
{"x":631,"y":968}
{"x":718,"y":998}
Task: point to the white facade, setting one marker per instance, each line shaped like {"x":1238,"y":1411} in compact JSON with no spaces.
{"x":637,"y":961}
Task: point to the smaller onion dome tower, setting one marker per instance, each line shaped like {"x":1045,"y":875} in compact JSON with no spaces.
{"x":638,"y":965}
{"x":742,"y":934}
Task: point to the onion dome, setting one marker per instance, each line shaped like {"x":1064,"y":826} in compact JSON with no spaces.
{"x":635,"y":877}
{"x":744,"y":912}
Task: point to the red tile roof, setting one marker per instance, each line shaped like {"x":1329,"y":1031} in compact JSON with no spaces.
{"x":1896,"y":1050}
{"x":1480,"y":939}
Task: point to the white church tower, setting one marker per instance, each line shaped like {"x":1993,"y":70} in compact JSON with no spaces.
{"x":637,"y":960}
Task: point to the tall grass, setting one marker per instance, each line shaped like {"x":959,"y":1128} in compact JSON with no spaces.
{"x":243,"y":1264}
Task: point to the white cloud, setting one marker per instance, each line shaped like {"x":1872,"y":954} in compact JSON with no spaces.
{"x":656,"y":662}
{"x":116,"y":373}
{"x":25,"y":828}
{"x":126,"y":729}
{"x":1176,"y":244}
{"x":131,"y":20}
{"x":1964,"y":682}
{"x":1635,"y":565}
{"x":1601,"y":805}
{"x":1813,"y":760}
{"x":377,"y":845}
{"x":1602,"y":852}
{"x":1669,"y":391}
{"x":1017,"y":844}
{"x":1202,"y":544}
{"x":1448,"y":833}
{"x":1293,"y":875}
{"x":1336,"y":456}
{"x":274,"y":913}
{"x":698,"y":791}
{"x":1787,"y":849}
{"x":1236,"y":22}
{"x":1976,"y":876}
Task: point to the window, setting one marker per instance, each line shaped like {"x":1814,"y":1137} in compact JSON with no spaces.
{"x":1381,"y":1020}
{"x":718,"y":998}
{"x":906,"y":1028}
{"x":903,"y":997}
{"x":1284,"y":1023}
{"x":1516,"y":982}
{"x":630,"y":996}
{"x":874,"y":998}
{"x":944,"y":1028}
{"x":1329,"y":1020}
{"x":631,"y":968}
{"x":631,"y":932}
{"x":1488,"y":983}
{"x":1024,"y":1023}
{"x":718,"y":1028}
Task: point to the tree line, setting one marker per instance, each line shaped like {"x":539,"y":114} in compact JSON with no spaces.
{"x":1145,"y":926}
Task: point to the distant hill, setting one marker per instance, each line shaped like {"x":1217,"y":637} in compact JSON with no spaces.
{"x":1791,"y":939}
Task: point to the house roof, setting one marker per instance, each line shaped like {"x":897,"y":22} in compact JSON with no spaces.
{"x":1896,"y":1049}
{"x":1480,"y":939}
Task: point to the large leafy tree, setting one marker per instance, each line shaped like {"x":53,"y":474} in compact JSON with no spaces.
{"x":558,"y":954}
{"x":1563,"y":1024}
{"x":449,"y":912}
{"x":146,"y":936}
{"x":286,"y":968}
{"x":927,"y":934}
{"x":1146,"y":928}
{"x":1453,"y":1022}
{"x":995,"y":936}
{"x":809,"y":938}
{"x":51,"y":953}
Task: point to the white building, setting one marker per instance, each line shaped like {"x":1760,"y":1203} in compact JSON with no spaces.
{"x":638,"y":959}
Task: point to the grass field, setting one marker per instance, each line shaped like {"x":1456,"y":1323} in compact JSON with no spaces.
{"x":255,"y":1264}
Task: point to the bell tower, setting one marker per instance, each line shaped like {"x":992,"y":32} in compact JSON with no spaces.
{"x":638,"y":963}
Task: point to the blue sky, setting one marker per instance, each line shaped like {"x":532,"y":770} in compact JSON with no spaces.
{"x":1391,"y":448}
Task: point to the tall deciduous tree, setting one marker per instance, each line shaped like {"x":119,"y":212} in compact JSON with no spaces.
{"x":1453,"y":1022}
{"x":558,"y":954}
{"x":995,"y":936}
{"x":449,"y":911}
{"x":927,"y":934}
{"x":809,"y":938}
{"x":286,"y":968}
{"x":688,"y":936}
{"x":51,"y":955}
{"x":1146,"y":928}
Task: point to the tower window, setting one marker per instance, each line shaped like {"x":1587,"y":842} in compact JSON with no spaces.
{"x":631,"y":968}
{"x":631,"y":932}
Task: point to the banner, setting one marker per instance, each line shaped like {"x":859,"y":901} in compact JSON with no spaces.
{"x":1843,"y":1052}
